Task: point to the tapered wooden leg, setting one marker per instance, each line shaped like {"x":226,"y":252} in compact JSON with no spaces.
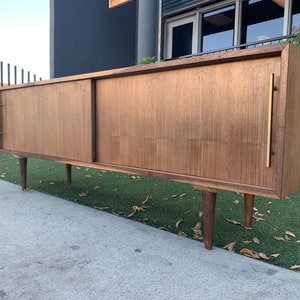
{"x":209,"y":205}
{"x":23,"y":171}
{"x":69,"y":172}
{"x":248,"y":209}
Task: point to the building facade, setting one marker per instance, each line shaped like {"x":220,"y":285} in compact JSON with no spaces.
{"x":88,"y":36}
{"x":191,"y":27}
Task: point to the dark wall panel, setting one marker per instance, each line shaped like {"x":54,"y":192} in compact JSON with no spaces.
{"x":87,"y":36}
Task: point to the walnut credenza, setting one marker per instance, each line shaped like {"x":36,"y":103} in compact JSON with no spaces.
{"x":221,"y":121}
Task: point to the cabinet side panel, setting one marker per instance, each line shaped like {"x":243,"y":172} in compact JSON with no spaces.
{"x":291,"y":163}
{"x":1,"y":121}
{"x":49,"y":120}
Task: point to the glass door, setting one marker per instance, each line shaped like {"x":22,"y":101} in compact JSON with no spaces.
{"x":181,"y":37}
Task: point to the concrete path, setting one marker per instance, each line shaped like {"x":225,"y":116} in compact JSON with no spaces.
{"x":55,"y":249}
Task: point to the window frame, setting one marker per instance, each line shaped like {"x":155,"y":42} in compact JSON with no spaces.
{"x":198,"y":12}
{"x":178,"y":21}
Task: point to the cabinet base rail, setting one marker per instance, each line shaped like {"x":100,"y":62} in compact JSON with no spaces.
{"x":209,"y":197}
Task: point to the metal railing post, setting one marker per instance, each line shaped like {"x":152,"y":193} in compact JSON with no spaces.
{"x":1,"y":73}
{"x":15,"y":71}
{"x":8,"y":74}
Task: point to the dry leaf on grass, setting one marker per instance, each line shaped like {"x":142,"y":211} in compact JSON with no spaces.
{"x":256,"y":240}
{"x":197,"y":229}
{"x":138,"y":208}
{"x":289,"y":233}
{"x":295,"y":267}
{"x":257,"y":217}
{"x":178,"y":223}
{"x":135,"y":210}
{"x":198,"y":237}
{"x":259,"y":214}
{"x":247,"y":242}
{"x":263,"y":256}
{"x":235,"y":202}
{"x":131,"y":214}
{"x":97,"y":187}
{"x":234,"y":222}
{"x":247,"y":252}
{"x":101,"y":208}
{"x":146,"y":200}
{"x":117,"y":213}
{"x":83,"y":194}
{"x":163,"y":228}
{"x":252,"y":254}
{"x":282,"y":239}
{"x":200,"y":214}
{"x":230,"y":246}
{"x":287,"y":238}
{"x":182,"y":233}
{"x":274,"y":255}
{"x":198,"y":225}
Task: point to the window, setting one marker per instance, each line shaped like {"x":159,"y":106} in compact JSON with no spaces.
{"x":182,"y":40}
{"x":261,"y":19}
{"x":218,"y":28}
{"x":228,"y":23}
{"x":181,"y":37}
{"x":296,"y":15}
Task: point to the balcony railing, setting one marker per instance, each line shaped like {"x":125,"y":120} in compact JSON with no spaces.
{"x":256,"y":44}
{"x":9,"y":75}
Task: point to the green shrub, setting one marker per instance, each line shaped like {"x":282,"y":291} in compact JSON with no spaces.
{"x":147,"y":60}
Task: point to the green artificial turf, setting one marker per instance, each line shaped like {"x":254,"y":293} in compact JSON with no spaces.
{"x":171,"y":206}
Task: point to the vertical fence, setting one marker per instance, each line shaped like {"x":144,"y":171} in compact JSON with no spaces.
{"x":9,"y":75}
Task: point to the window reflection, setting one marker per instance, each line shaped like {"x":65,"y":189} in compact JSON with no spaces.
{"x":262,"y":19}
{"x":296,"y":15}
{"x":218,"y":28}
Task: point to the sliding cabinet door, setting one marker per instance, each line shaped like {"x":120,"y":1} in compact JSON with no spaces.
{"x":209,"y":122}
{"x":53,"y":120}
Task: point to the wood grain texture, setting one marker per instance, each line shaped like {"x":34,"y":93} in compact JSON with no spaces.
{"x":209,"y":121}
{"x":194,"y":61}
{"x":202,"y":120}
{"x":1,"y":123}
{"x":291,"y":161}
{"x":51,"y":120}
